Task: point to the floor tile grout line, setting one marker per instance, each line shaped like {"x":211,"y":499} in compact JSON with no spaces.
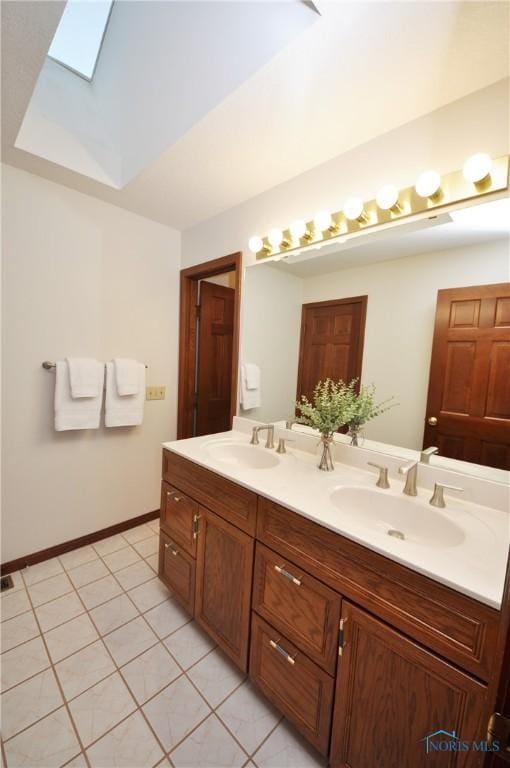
{"x":139,"y":707}
{"x":65,"y":704}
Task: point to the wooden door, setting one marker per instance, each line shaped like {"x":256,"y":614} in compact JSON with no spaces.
{"x":391,"y":694}
{"x":468,"y":405}
{"x":215,"y":344}
{"x":223,"y":584}
{"x":331,"y":346}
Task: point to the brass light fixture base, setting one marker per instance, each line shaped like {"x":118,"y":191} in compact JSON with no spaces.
{"x":454,"y":189}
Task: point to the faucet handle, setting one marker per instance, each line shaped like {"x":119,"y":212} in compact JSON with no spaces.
{"x":427,"y":453}
{"x":282,"y":441}
{"x":382,"y":480}
{"x":254,"y":436}
{"x":437,"y":498}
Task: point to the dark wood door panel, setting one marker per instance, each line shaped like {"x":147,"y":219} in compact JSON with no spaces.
{"x":224,"y":581}
{"x":297,"y":686}
{"x":468,"y":406}
{"x":215,"y":345}
{"x":301,"y":607}
{"x":331,"y":346}
{"x":391,"y":694}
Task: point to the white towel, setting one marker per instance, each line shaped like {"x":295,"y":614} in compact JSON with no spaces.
{"x":127,"y":376}
{"x":123,"y":410}
{"x":86,"y":376}
{"x":250,"y":398}
{"x":252,"y":376}
{"x":70,"y":413}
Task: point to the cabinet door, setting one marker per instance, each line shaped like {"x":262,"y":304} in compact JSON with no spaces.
{"x":179,"y":517}
{"x":177,"y":571}
{"x":391,"y":694}
{"x":224,"y":578}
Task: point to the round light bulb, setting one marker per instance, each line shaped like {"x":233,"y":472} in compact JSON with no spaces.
{"x":275,"y":237}
{"x":387,"y":197}
{"x":353,"y":209}
{"x":297,"y":229}
{"x":322,"y":221}
{"x":255,"y":244}
{"x":428,"y":184}
{"x":477,"y":167}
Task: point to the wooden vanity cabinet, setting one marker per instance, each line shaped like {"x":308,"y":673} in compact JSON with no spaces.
{"x":365,"y":656}
{"x":391,"y":693}
{"x":223,"y":584}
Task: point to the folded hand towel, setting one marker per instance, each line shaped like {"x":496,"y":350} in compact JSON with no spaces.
{"x":252,"y":376}
{"x":249,"y":398}
{"x":86,"y":376}
{"x":126,"y":376}
{"x":123,"y":410}
{"x":70,"y":413}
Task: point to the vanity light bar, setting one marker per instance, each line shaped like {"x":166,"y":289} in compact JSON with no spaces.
{"x":481,"y":175}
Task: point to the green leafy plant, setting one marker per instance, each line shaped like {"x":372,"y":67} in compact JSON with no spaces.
{"x":335,"y":404}
{"x":330,"y":408}
{"x":363,"y":407}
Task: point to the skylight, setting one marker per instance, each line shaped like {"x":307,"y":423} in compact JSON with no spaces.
{"x":79,"y":35}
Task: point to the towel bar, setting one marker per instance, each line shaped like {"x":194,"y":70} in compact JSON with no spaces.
{"x":48,"y":365}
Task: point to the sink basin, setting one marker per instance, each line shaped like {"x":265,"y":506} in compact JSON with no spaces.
{"x":408,"y":519}
{"x":241,"y":455}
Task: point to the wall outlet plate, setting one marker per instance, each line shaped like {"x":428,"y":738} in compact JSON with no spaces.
{"x":155,"y":393}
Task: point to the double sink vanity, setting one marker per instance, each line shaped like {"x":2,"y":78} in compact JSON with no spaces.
{"x":366,"y":615}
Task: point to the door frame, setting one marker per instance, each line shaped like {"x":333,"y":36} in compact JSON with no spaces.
{"x":189,"y":279}
{"x":363,"y":300}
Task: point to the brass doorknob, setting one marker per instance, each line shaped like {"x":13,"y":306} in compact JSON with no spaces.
{"x":432,"y":421}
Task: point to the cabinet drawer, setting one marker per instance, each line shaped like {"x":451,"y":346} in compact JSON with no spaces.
{"x":234,"y":503}
{"x":177,"y":571}
{"x":297,"y":686}
{"x":457,"y":627}
{"x":179,"y":517}
{"x":304,"y":609}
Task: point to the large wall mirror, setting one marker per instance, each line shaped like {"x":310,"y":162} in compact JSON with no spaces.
{"x":422,"y":311}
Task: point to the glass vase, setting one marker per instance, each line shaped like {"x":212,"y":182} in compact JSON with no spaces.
{"x":355,"y":433}
{"x":326,"y":461}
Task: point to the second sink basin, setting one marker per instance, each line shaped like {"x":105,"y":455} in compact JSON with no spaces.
{"x":403,"y":518}
{"x":241,"y":454}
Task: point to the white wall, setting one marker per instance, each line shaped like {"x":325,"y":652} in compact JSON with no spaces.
{"x":270,"y":328}
{"x":80,"y":278}
{"x":442,"y":140}
{"x":399,"y":327}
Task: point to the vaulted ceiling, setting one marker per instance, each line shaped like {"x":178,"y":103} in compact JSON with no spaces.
{"x":184,"y":120}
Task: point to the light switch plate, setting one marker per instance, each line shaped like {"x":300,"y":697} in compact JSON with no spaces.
{"x":155,"y":393}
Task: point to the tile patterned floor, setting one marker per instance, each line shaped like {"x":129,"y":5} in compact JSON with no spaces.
{"x":101,"y":668}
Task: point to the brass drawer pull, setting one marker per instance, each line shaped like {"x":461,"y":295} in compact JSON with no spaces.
{"x":172,"y":550}
{"x":289,"y":576}
{"x":282,"y":652}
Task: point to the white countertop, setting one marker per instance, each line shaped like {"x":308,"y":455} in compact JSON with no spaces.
{"x":476,"y":566}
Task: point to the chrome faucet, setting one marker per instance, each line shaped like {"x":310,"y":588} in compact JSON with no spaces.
{"x":427,"y":453}
{"x":270,"y":435}
{"x":410,"y":471}
{"x":290,"y":423}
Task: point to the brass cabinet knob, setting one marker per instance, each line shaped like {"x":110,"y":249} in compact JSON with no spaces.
{"x":432,"y":421}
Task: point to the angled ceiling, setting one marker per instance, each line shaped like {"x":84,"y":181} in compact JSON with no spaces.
{"x":235,"y":129}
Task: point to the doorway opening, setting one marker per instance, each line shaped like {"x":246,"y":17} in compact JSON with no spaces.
{"x":209,"y":346}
